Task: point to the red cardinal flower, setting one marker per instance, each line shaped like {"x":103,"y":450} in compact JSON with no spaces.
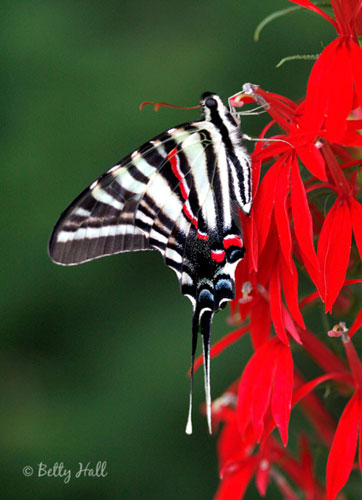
{"x":240,"y":459}
{"x":283,"y":194}
{"x":266,"y":383}
{"x":335,"y":238}
{"x":236,"y":463}
{"x":343,"y":450}
{"x":268,"y":271}
{"x":335,"y":84}
{"x":306,"y":221}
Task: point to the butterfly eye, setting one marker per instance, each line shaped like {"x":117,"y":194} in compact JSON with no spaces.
{"x":210,"y":103}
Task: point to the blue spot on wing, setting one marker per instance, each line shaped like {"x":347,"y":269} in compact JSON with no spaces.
{"x":206,"y":296}
{"x":223,"y":284}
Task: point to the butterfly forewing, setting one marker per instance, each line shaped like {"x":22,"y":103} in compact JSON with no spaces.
{"x":115,"y":212}
{"x":180,"y":194}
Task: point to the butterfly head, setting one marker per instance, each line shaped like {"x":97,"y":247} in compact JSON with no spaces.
{"x":214,"y":110}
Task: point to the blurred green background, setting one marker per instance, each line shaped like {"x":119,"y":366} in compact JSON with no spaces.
{"x":94,"y":358}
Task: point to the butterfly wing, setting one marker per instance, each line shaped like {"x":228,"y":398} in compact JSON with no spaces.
{"x":115,"y":213}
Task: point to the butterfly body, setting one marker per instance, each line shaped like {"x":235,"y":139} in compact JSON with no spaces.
{"x":179,"y":194}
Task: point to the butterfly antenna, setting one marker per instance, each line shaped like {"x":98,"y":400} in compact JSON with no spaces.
{"x":195,"y":331}
{"x":158,"y":105}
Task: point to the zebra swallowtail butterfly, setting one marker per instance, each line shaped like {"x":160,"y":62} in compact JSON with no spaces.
{"x":179,"y":194}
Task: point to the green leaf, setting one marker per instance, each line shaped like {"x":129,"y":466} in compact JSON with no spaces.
{"x":298,"y":57}
{"x":271,"y":17}
{"x":281,"y":13}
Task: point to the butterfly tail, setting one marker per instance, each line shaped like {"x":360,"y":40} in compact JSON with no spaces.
{"x":205,"y":322}
{"x":195,"y":331}
{"x":204,"y":325}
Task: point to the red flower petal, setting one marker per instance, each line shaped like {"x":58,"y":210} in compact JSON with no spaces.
{"x":316,"y":102}
{"x":356,"y":212}
{"x":356,"y":65}
{"x":229,"y":445}
{"x":300,"y":471}
{"x":282,"y":391}
{"x":316,"y":413}
{"x":354,"y":363}
{"x":251,"y":241}
{"x":357,"y":323}
{"x":289,"y":278}
{"x":233,"y":486}
{"x":343,"y":13}
{"x":303,"y":225}
{"x":339,"y":103}
{"x":255,"y":388}
{"x":256,"y":167}
{"x":260,"y":323}
{"x":305,"y":389}
{"x":313,"y":160}
{"x":334,"y":248}
{"x":281,"y":211}
{"x":350,"y":137}
{"x":276,"y":305}
{"x":360,"y":430}
{"x":254,"y":252}
{"x":309,"y":5}
{"x":262,"y":387}
{"x":268,"y":375}
{"x":290,"y":326}
{"x":245,"y":391}
{"x":263,"y":206}
{"x":262,"y":476}
{"x":343,"y":451}
{"x":268,"y":258}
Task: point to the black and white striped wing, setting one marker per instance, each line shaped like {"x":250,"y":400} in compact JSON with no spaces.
{"x":133,"y":206}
